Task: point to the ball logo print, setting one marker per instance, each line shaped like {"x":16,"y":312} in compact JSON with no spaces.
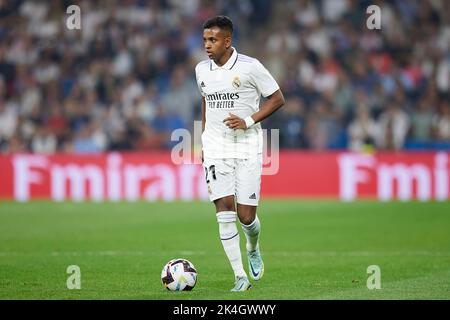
{"x":179,"y":275}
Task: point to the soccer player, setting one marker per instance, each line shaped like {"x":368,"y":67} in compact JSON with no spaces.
{"x":231,"y":85}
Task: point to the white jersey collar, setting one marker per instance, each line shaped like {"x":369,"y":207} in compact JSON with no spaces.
{"x":229,"y":64}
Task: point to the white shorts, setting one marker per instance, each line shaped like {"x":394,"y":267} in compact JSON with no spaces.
{"x":234,"y":177}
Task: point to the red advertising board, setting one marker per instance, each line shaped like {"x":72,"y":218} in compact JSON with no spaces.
{"x":154,"y":176}
{"x":348,"y":176}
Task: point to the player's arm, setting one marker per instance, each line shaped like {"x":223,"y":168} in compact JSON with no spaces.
{"x":272,"y":104}
{"x":203,"y":119}
{"x":203,"y":114}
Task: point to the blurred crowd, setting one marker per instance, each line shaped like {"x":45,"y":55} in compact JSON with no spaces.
{"x":125,"y":80}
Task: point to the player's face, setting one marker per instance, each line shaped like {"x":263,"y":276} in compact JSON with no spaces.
{"x":216,"y":41}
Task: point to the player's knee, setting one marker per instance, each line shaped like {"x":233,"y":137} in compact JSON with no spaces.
{"x":225,"y":204}
{"x":224,"y":207}
{"x":246,"y":213}
{"x":246,"y":219}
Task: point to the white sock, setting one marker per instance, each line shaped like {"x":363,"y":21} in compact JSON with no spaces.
{"x":229,"y":236}
{"x":252,"y":231}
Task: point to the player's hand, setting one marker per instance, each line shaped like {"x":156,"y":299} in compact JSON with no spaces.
{"x":234,"y":122}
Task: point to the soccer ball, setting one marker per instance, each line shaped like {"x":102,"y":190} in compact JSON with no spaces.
{"x":179,"y":275}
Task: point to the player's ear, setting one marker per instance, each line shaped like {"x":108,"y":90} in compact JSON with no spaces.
{"x":227,"y":42}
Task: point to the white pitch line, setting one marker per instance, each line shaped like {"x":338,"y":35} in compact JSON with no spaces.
{"x":358,"y":253}
{"x":202,"y":253}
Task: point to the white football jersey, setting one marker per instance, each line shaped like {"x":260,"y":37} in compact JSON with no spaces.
{"x":236,"y":87}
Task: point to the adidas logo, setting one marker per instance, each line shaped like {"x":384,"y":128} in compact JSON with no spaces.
{"x":253,"y":196}
{"x":202,"y":84}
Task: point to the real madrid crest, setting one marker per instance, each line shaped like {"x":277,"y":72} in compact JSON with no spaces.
{"x":236,"y":82}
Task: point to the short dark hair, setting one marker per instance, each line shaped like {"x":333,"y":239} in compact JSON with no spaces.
{"x":222,"y":22}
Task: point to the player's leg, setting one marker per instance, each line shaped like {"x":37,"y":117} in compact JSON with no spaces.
{"x":229,"y":236}
{"x":220,"y":178}
{"x":248,"y":183}
{"x":250,"y":225}
{"x":252,"y":229}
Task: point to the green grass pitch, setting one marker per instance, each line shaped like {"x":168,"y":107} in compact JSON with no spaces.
{"x":312,"y":250}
